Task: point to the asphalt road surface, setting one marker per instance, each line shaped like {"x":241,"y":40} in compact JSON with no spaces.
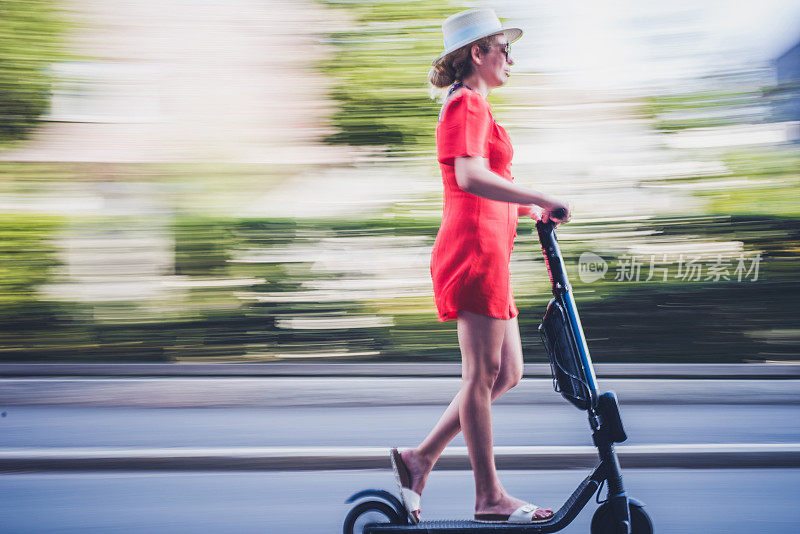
{"x":64,"y":426}
{"x":725,"y":501}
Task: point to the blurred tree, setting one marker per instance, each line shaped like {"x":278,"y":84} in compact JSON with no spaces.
{"x":31,"y":34}
{"x":381,"y":65}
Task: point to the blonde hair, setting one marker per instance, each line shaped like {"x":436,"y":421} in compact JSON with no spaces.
{"x":457,"y":65}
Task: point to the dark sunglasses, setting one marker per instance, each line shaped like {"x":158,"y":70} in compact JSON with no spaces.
{"x":505,"y":49}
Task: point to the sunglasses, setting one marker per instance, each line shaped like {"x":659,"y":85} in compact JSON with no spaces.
{"x":505,"y":49}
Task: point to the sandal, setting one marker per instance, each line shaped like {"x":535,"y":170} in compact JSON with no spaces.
{"x":522,"y":515}
{"x":410,"y":497}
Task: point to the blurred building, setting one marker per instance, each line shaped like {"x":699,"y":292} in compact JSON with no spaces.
{"x":787,"y":96}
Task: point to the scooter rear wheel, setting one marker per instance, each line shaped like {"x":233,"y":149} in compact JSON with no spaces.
{"x":603,"y":521}
{"x":369,"y":512}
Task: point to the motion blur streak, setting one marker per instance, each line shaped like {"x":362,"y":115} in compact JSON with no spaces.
{"x":255,"y":181}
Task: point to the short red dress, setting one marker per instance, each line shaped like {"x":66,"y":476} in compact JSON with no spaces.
{"x":470,"y":259}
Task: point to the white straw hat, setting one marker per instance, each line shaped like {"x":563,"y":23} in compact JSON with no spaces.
{"x":468,"y":26}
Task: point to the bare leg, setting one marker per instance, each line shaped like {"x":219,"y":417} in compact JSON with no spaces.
{"x":480,"y":339}
{"x":422,"y":459}
{"x":492,"y":364}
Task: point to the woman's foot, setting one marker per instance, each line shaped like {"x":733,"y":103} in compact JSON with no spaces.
{"x":503,"y":507}
{"x":418,"y":469}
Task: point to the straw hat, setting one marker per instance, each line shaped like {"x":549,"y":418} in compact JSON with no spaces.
{"x":468,"y":26}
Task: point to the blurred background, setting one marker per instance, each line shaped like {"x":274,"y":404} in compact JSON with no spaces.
{"x":256,"y":180}
{"x":230,"y":181}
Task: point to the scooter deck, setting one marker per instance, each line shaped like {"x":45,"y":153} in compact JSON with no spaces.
{"x":459,"y":527}
{"x":561,"y":519}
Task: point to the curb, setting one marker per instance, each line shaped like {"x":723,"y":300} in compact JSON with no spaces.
{"x":701,"y":455}
{"x":278,"y":369}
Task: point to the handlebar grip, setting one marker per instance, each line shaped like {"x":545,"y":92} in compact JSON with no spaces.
{"x":560,"y":213}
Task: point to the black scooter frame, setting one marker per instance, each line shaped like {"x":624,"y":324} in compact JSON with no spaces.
{"x":604,"y":420}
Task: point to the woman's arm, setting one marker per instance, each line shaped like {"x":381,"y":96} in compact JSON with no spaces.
{"x":474,"y":177}
{"x":531,"y":210}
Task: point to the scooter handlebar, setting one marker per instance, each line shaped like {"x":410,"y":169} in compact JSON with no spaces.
{"x":560,"y":213}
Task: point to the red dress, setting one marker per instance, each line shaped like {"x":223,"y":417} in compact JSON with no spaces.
{"x":470,"y":260}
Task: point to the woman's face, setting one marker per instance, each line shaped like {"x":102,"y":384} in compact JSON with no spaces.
{"x":496,"y":63}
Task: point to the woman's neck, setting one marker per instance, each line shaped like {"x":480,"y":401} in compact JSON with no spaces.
{"x":478,"y":84}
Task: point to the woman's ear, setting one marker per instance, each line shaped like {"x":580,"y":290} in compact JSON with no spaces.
{"x":477,"y":54}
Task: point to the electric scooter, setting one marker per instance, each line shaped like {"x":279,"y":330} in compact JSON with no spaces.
{"x":381,"y":512}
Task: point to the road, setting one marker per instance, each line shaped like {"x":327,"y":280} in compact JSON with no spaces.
{"x":728,"y":499}
{"x":379,"y":426}
{"x":738,"y":501}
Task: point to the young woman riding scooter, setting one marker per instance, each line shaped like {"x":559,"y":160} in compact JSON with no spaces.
{"x":470,"y":259}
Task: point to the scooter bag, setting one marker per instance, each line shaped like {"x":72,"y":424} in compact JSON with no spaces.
{"x":559,"y":340}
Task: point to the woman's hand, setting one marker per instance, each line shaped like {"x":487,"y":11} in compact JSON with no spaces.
{"x":551,"y":208}
{"x":533,"y":211}
{"x":545,"y":214}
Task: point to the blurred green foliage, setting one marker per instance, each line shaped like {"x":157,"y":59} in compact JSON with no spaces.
{"x":673,"y":321}
{"x":202,"y":246}
{"x":31,"y":35}
{"x":381,"y":65}
{"x":240,"y":288}
{"x":693,"y":321}
{"x":705,"y":109}
{"x":772,"y":188}
{"x":27,"y":256}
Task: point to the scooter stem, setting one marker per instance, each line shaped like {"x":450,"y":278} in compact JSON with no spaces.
{"x":563,"y":292}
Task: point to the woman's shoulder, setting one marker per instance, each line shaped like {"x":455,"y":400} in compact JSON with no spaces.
{"x":466,"y":95}
{"x":468,"y":99}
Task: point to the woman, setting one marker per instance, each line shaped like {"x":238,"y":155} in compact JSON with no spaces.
{"x":470,"y":260}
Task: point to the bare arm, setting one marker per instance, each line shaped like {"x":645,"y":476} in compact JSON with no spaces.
{"x":474,"y":177}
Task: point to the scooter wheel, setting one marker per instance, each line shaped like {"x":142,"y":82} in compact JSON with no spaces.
{"x":603,"y":521}
{"x":369,"y":512}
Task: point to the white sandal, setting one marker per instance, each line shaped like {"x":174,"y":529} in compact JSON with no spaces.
{"x":522,"y":515}
{"x":410,"y":497}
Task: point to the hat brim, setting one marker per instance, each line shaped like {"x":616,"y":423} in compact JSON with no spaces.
{"x":512,"y":34}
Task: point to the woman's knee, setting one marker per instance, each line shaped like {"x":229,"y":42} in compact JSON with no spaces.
{"x":508,"y":379}
{"x":482,"y":376}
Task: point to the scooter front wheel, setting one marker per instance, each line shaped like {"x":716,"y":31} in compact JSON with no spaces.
{"x":604,"y":522}
{"x":369,"y":512}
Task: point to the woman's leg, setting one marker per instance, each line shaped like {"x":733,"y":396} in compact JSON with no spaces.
{"x":420,"y":460}
{"x":480,"y":339}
